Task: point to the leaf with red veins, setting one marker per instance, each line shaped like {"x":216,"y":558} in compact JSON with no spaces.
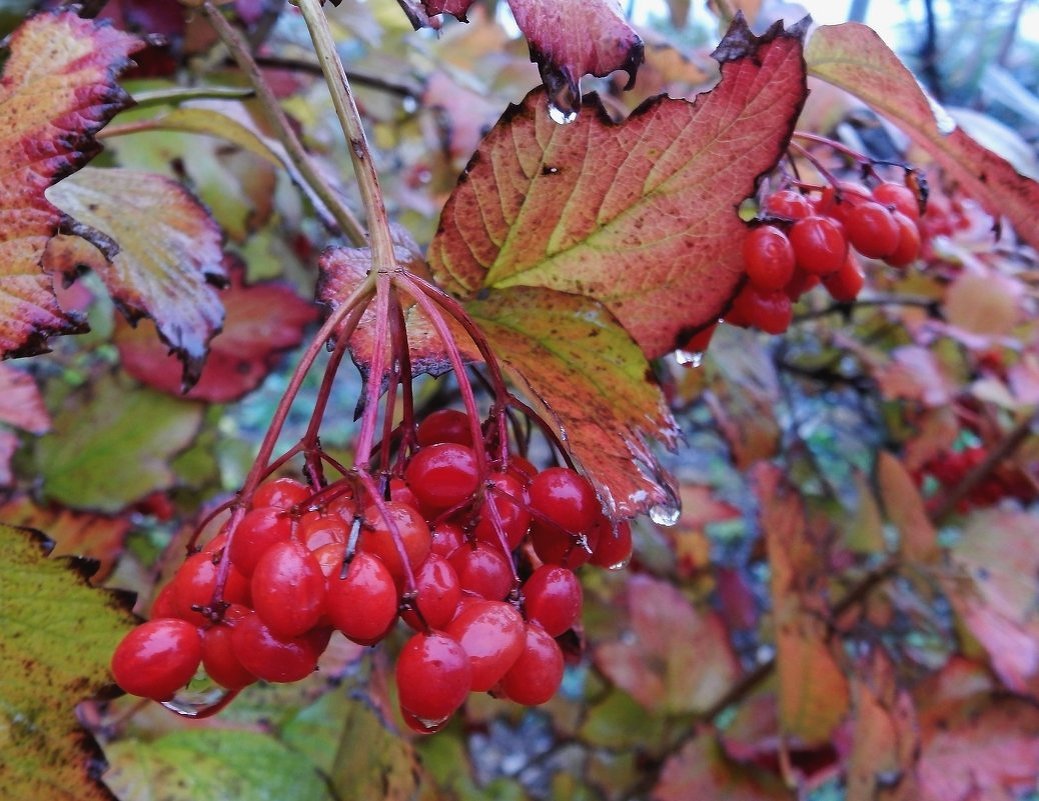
{"x":165,"y":258}
{"x":58,"y":89}
{"x":854,"y":57}
{"x":640,"y":215}
{"x":263,"y":320}
{"x":21,"y":404}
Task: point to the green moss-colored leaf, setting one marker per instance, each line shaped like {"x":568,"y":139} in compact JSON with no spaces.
{"x":57,"y":635}
{"x":213,"y":765}
{"x":111,"y":444}
{"x":372,"y":761}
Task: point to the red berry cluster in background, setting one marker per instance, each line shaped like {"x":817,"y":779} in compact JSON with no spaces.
{"x":950,"y":468}
{"x":480,"y":567}
{"x":804,"y":239}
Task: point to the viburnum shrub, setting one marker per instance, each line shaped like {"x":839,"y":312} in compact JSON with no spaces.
{"x":773,"y":609}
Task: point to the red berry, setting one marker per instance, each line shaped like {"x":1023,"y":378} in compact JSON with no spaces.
{"x":377,"y":536}
{"x":538,"y":671}
{"x":845,"y":284}
{"x":838,"y":202}
{"x":322,"y":529}
{"x":446,"y":538}
{"x":364,"y":604}
{"x":503,"y":507}
{"x":259,"y":530}
{"x":770,"y":312}
{"x":482,"y":570}
{"x":898,"y":197}
{"x":871,"y":229}
{"x":564,"y":498}
{"x":819,"y":245}
{"x":445,"y":425}
{"x":614,"y":547}
{"x":195,"y":583}
{"x":787,"y":203}
{"x":157,"y":658}
{"x":559,"y":548}
{"x":492,"y":633}
{"x":552,"y":598}
{"x":437,"y":593}
{"x":442,"y":476}
{"x":281,"y":493}
{"x":434,"y":675}
{"x":908,"y":249}
{"x":218,"y":657}
{"x":801,"y":282}
{"x":273,"y":658}
{"x":769,"y":258}
{"x":288,"y":589}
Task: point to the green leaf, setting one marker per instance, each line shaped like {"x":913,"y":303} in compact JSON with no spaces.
{"x":58,"y":90}
{"x":639,"y":215}
{"x":214,"y":765}
{"x":855,"y":58}
{"x":111,"y":445}
{"x":373,"y":762}
{"x":57,"y":637}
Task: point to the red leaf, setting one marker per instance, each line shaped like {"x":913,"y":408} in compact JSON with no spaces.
{"x":677,"y":658}
{"x":8,"y":445}
{"x":58,"y":90}
{"x":855,"y":58}
{"x":701,"y":771}
{"x":567,"y":40}
{"x":640,"y":216}
{"x":21,"y":404}
{"x":262,"y":320}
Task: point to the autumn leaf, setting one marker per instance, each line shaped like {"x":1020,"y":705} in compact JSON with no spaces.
{"x":100,"y":456}
{"x":168,"y":260}
{"x":904,"y":507}
{"x":96,"y":537}
{"x":21,"y":404}
{"x":700,"y":770}
{"x":263,"y":320}
{"x":640,"y":215}
{"x":855,"y":58}
{"x":57,"y":91}
{"x":813,"y":691}
{"x":567,"y":41}
{"x":676,"y":659}
{"x":58,"y":637}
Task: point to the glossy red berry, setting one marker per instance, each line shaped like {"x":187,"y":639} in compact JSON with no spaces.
{"x":845,"y":284}
{"x":552,"y":598}
{"x":908,"y":249}
{"x":556,"y":547}
{"x":538,"y":671}
{"x":281,"y":493}
{"x":363,"y":606}
{"x":770,"y":312}
{"x":613,"y":549}
{"x":492,"y":634}
{"x":195,"y":583}
{"x":564,"y":498}
{"x":442,"y":476}
{"x":218,"y":656}
{"x":819,"y":245}
{"x":445,"y":425}
{"x":768,"y":258}
{"x":482,"y":570}
{"x":273,"y":658}
{"x":434,"y":676}
{"x":288,"y":589}
{"x":871,"y":229}
{"x":437,"y":593}
{"x":503,"y":509}
{"x":446,"y":537}
{"x":787,"y":203}
{"x":157,"y":658}
{"x":259,"y":530}
{"x":898,"y":197}
{"x":322,"y":529}
{"x":378,"y":536}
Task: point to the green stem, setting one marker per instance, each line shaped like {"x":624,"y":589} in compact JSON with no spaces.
{"x":344,"y":218}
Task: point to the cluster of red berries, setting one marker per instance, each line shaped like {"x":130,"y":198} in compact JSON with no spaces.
{"x":443,"y":550}
{"x":1004,"y":481}
{"x":804,"y":240}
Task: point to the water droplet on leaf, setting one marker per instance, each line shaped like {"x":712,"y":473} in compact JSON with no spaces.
{"x":564,"y":96}
{"x":665,"y":515}
{"x":560,"y":117}
{"x":689,"y":358}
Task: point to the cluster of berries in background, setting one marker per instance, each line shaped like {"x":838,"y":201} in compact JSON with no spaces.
{"x":948,"y":469}
{"x":802,"y":240}
{"x":474,"y":554}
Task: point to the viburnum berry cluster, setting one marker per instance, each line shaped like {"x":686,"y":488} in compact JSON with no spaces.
{"x":443,"y":525}
{"x":808,"y":235}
